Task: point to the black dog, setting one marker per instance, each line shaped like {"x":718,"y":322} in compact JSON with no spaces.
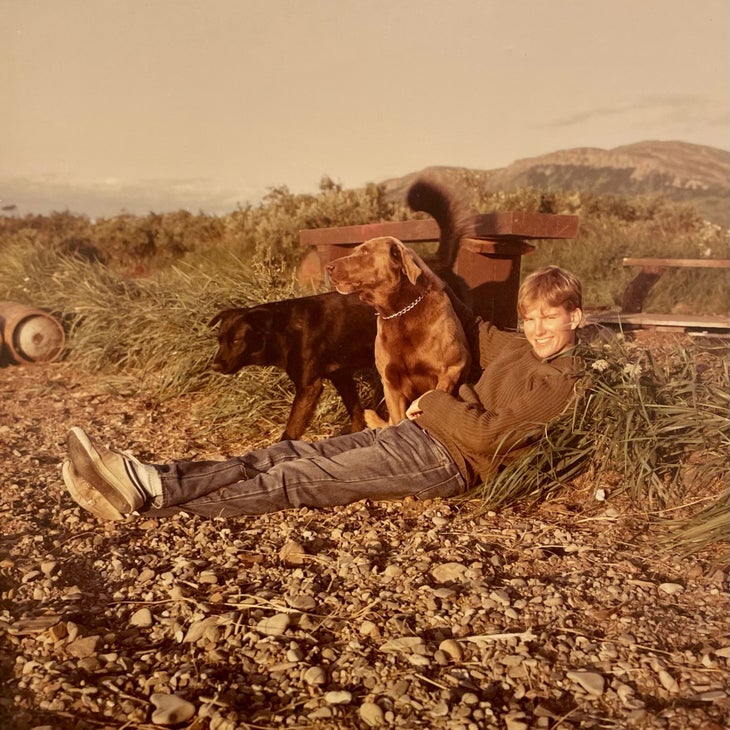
{"x":311,"y":338}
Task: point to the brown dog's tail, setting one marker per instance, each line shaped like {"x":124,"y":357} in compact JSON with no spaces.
{"x":450,"y":212}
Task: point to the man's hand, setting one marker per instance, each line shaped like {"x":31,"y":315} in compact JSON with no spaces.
{"x":414,"y":410}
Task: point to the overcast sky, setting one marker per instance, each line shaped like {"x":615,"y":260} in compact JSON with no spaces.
{"x":206,"y":103}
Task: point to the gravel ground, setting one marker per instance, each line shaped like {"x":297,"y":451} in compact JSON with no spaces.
{"x":405,"y":615}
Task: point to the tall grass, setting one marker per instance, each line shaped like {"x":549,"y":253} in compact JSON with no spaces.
{"x":656,"y":426}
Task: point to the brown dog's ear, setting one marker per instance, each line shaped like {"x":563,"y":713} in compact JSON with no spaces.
{"x":409,"y":262}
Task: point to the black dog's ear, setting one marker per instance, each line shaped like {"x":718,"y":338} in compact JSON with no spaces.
{"x":223,"y":315}
{"x":260,"y":318}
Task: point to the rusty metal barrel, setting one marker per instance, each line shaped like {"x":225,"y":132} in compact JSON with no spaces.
{"x":30,"y":335}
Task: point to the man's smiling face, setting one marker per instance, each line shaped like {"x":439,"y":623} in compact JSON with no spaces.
{"x":550,"y":330}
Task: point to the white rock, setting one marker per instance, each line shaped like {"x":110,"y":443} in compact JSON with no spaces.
{"x":403,"y":643}
{"x":171,"y":709}
{"x":315,"y":676}
{"x":274,"y":625}
{"x":671,"y":588}
{"x":668,"y":681}
{"x":500,"y":596}
{"x":338,"y":697}
{"x":513,"y":722}
{"x":83,"y":648}
{"x":48,"y":566}
{"x":591,"y":682}
{"x":452,"y":648}
{"x":292,"y":553}
{"x":371,"y":714}
{"x":142,"y":618}
{"x":447,"y":572}
{"x":369,"y":628}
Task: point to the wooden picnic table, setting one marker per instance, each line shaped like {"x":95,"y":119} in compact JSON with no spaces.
{"x":489,"y":257}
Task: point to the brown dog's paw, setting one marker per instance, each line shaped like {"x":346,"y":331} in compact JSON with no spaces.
{"x":373,"y":420}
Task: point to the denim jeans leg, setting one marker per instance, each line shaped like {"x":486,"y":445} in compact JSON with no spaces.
{"x":388,"y":463}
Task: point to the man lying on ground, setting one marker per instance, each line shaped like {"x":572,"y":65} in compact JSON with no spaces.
{"x":446,"y":445}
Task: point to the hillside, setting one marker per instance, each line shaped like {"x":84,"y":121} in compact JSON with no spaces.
{"x":678,"y":170}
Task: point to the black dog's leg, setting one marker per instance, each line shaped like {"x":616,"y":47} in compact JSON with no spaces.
{"x":347,"y":388}
{"x":302,"y":409}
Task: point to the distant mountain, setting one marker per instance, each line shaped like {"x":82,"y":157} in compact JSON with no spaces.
{"x":678,"y":170}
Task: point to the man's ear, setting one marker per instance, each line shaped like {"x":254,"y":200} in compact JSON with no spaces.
{"x":576,"y":317}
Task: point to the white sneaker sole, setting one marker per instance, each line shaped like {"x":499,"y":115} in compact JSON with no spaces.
{"x":89,"y":465}
{"x":87,"y":497}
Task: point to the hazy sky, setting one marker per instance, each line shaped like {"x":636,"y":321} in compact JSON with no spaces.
{"x":208,"y":102}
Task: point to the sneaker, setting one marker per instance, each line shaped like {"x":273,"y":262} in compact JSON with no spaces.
{"x":113,"y":474}
{"x":86,"y":496}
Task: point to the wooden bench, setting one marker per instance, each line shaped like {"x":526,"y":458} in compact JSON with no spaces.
{"x":631,"y":315}
{"x":489,"y":256}
{"x":651,"y":271}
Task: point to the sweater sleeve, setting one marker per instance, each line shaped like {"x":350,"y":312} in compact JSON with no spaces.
{"x":477,"y":431}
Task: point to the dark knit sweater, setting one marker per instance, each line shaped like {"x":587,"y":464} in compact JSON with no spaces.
{"x":507,"y":408}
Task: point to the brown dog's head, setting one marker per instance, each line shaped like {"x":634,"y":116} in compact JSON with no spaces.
{"x":375,"y":269}
{"x":242,"y":339}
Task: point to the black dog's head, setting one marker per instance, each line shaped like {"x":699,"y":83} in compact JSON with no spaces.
{"x":243,"y":339}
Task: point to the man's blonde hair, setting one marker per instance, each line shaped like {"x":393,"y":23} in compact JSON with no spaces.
{"x":552,"y":285}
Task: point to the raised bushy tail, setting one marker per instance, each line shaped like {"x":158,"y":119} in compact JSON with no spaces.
{"x":430,"y":196}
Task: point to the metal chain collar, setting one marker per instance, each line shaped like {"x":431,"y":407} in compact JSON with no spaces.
{"x":405,"y":309}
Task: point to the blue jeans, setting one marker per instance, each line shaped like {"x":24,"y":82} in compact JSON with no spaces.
{"x":380,"y":464}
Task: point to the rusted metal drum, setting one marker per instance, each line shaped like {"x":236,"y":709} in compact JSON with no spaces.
{"x":30,"y":335}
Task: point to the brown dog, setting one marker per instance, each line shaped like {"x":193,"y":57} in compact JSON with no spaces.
{"x":420,"y":344}
{"x":311,"y":338}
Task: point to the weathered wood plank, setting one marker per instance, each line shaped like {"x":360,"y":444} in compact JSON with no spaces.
{"x":717,"y":322}
{"x":505,"y":225}
{"x":678,"y":263}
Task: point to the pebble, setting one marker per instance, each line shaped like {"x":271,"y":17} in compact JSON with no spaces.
{"x":668,"y":681}
{"x":369,"y":628}
{"x":48,"y":567}
{"x":171,"y":709}
{"x":500,"y":596}
{"x":403,"y":643}
{"x":671,"y":588}
{"x":315,"y":676}
{"x":371,"y":714}
{"x":452,"y":649}
{"x":82,"y":648}
{"x":338,"y":697}
{"x":448,"y":572}
{"x":142,"y":618}
{"x":274,"y":625}
{"x":302,"y":602}
{"x":591,"y":682}
{"x":292,"y":553}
